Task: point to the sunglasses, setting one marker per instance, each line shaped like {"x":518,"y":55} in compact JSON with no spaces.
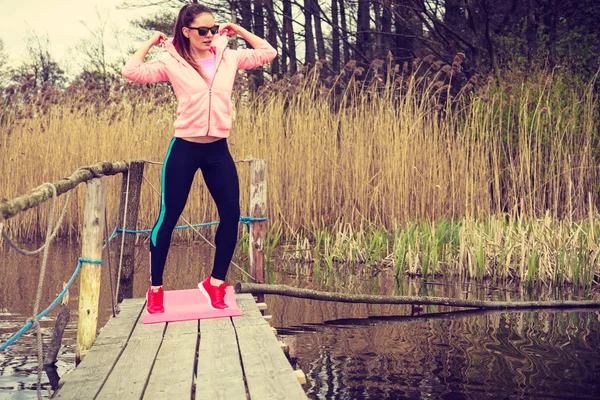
{"x":202,"y":31}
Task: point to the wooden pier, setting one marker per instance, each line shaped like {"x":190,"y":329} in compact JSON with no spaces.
{"x":226,"y":358}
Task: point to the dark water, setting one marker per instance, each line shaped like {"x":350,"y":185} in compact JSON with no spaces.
{"x":350,"y":351}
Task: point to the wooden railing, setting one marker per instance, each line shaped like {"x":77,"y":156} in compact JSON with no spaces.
{"x":93,"y":233}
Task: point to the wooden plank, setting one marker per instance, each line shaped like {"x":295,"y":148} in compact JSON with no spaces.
{"x":85,"y":381}
{"x":129,"y":377}
{"x":268,"y":373}
{"x":251,"y":315}
{"x":121,"y":327}
{"x":173,"y":372}
{"x":219,"y":373}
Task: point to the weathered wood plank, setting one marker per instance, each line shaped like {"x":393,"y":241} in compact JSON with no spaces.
{"x":268,"y":373}
{"x":120,"y":328}
{"x":219,"y":373}
{"x":173,"y":372}
{"x":86,"y":380}
{"x":251,"y":314}
{"x":130,"y":374}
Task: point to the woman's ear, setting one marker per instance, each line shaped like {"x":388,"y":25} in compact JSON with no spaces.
{"x":186,"y":32}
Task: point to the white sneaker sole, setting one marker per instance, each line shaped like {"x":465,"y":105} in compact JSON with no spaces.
{"x":205,"y":293}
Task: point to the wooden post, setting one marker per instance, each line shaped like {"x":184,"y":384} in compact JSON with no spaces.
{"x":89,"y":278}
{"x":130,"y":199}
{"x":258,"y":229}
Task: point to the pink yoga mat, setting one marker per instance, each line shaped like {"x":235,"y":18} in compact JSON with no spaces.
{"x":185,"y":305}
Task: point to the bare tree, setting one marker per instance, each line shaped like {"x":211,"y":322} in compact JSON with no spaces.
{"x":309,"y":39}
{"x":40,"y":67}
{"x":94,"y":50}
{"x":289,"y":36}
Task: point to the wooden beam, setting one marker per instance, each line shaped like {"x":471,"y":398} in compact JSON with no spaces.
{"x":258,"y":229}
{"x":131,"y":188}
{"x":284,"y":290}
{"x":89,"y":277}
{"x":301,"y":376}
{"x":11,"y":207}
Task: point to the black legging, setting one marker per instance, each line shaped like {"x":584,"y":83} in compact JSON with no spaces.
{"x":218,"y":169}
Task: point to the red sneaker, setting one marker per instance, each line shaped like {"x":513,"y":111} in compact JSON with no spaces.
{"x":214,"y":294}
{"x":154,"y":301}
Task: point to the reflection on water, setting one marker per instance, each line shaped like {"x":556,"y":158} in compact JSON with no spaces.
{"x":352,"y":351}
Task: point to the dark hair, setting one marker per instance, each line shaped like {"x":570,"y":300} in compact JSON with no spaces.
{"x":186,"y":16}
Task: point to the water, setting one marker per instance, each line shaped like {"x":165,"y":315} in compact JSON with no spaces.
{"x":349,"y":351}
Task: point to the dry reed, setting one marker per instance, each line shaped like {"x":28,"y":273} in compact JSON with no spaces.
{"x":383,"y":153}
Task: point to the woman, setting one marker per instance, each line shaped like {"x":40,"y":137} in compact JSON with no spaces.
{"x":201,"y":70}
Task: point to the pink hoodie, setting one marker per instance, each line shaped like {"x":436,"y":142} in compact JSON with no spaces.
{"x":202,"y":110}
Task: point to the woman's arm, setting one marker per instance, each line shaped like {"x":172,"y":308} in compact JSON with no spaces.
{"x":136,"y":70}
{"x":261,"y":53}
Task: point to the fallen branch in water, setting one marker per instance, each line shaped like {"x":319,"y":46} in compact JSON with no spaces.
{"x":284,"y":290}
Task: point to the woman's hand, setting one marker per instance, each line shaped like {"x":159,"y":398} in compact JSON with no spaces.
{"x":230,"y":29}
{"x":157,"y":38}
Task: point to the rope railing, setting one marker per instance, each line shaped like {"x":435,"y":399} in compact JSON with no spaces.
{"x":29,"y":323}
{"x":50,"y":191}
{"x":243,"y":219}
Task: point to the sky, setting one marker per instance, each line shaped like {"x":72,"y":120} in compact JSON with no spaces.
{"x":67,"y":23}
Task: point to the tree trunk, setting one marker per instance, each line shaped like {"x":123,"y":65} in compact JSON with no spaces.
{"x":454,"y":19}
{"x":288,"y":34}
{"x":309,"y":55}
{"x":284,"y":290}
{"x":272,"y":35}
{"x":363,"y":31}
{"x":318,"y":30}
{"x":344,"y":24}
{"x":403,"y":42}
{"x":245,"y":14}
{"x":532,"y":28}
{"x":378,"y":49}
{"x":387,"y":41}
{"x":335,"y":37}
{"x":259,"y":30}
{"x":552,"y":33}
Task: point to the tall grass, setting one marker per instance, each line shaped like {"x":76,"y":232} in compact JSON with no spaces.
{"x":383,"y":153}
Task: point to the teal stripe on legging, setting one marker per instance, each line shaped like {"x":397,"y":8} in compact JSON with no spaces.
{"x":163,"y":207}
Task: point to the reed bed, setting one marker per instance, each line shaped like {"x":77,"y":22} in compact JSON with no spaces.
{"x":384,"y":162}
{"x":501,"y":249}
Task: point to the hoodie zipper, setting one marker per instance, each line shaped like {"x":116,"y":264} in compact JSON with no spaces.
{"x":176,"y":55}
{"x":210,"y":92}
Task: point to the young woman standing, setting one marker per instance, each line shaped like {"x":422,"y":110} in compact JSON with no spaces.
{"x":201,"y":70}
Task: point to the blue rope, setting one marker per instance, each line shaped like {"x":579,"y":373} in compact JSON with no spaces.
{"x":54,"y":303}
{"x":243,"y":219}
